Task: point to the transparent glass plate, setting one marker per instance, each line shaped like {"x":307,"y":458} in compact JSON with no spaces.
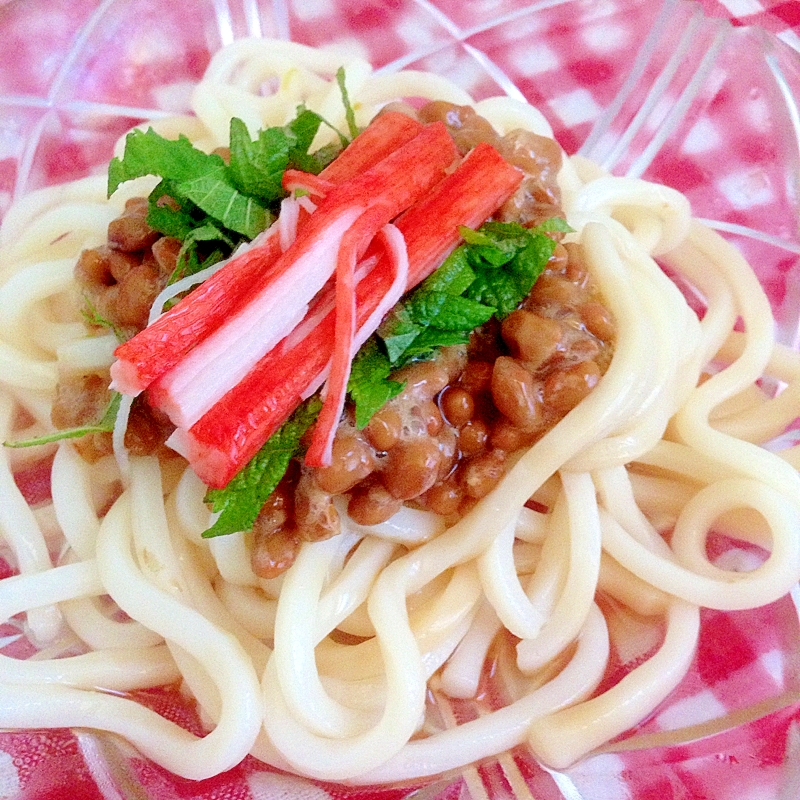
{"x":647,"y":89}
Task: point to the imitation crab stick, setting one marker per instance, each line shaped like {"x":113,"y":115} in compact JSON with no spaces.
{"x":294,"y":179}
{"x":231,"y":432}
{"x":225,"y":356}
{"x":352,"y":212}
{"x":379,"y":139}
{"x":160,"y":346}
{"x":319,"y":452}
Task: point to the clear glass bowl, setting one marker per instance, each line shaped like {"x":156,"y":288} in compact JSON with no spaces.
{"x":648,"y":89}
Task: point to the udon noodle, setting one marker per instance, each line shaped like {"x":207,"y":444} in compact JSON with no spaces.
{"x":669,"y":442}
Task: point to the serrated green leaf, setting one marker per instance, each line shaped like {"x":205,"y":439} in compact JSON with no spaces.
{"x":166,"y":216}
{"x":368,"y":385}
{"x":189,"y":260}
{"x":430,"y":340}
{"x":524,"y":254}
{"x":531,"y":261}
{"x":148,"y":153}
{"x":208,"y":233}
{"x":446,"y":311}
{"x":317,"y":161}
{"x":554,"y":224}
{"x":454,"y":276}
{"x":397,"y":332}
{"x":240,"y":501}
{"x":213,"y":193}
{"x":398,"y":344}
{"x":304,"y":128}
{"x":498,"y":289}
{"x":499,"y":232}
{"x":257,"y":167}
{"x":487,"y":249}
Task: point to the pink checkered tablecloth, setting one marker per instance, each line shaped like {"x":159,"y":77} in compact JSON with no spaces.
{"x":718,"y":121}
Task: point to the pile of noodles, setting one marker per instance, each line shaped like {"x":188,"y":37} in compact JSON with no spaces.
{"x":666,"y":448}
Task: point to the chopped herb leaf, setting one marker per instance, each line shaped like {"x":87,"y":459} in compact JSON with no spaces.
{"x":430,"y":340}
{"x":488,"y":275}
{"x":368,"y":385}
{"x":317,"y":161}
{"x":213,"y":193}
{"x":189,"y":260}
{"x":523,"y":257}
{"x":189,"y":174}
{"x":507,"y":259}
{"x":207,"y":233}
{"x":554,"y":224}
{"x":446,"y":311}
{"x":500,"y":290}
{"x":190,"y":264}
{"x":104,"y":425}
{"x":257,"y":167}
{"x":398,"y":344}
{"x":398,"y":331}
{"x":240,"y":501}
{"x":165,"y":215}
{"x":454,"y":276}
{"x":199,"y":190}
{"x":147,"y":153}
{"x":304,"y":128}
{"x":492,"y":248}
{"x":432,"y":318}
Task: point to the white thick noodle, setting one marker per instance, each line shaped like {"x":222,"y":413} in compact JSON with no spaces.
{"x":654,"y":448}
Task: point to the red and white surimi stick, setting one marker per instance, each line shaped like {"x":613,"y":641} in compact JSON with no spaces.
{"x":224,"y":357}
{"x":379,"y":139}
{"x":393,"y":245}
{"x":346,"y":342}
{"x":160,"y":346}
{"x":287,"y":222}
{"x":396,"y":260}
{"x":231,"y":433}
{"x":352,"y":213}
{"x":319,"y":453}
{"x":294,"y":179}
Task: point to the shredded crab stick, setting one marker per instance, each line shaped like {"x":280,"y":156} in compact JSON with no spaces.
{"x":294,"y":179}
{"x":231,"y":433}
{"x":160,"y":346}
{"x":379,"y":139}
{"x":224,"y":357}
{"x":322,"y":318}
{"x":355,"y":243}
{"x":355,"y":210}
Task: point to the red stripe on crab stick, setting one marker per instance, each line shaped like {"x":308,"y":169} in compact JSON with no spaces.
{"x":294,"y":179}
{"x":319,"y":453}
{"x":355,"y":210}
{"x":231,"y":433}
{"x":274,"y":309}
{"x":160,"y":346}
{"x":379,"y":139}
{"x":356,"y":241}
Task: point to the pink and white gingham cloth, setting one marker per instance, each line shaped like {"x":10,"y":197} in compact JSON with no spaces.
{"x":717,"y":121}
